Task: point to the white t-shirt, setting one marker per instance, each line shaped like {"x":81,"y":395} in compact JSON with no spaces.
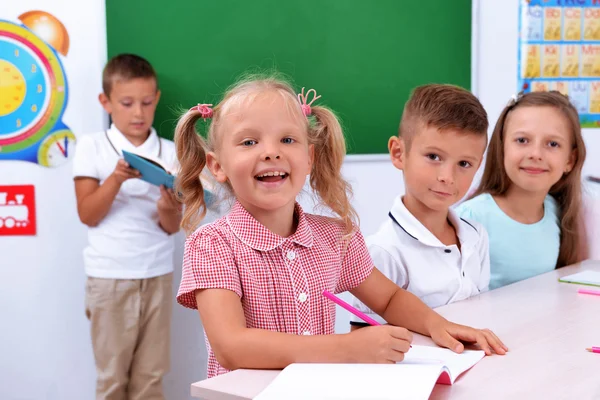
{"x":128,"y":243}
{"x":410,"y":255}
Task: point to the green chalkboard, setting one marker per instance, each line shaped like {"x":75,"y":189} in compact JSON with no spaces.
{"x":363,"y":57}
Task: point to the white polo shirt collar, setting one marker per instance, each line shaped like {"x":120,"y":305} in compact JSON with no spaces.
{"x":151,"y":147}
{"x":467,"y":234}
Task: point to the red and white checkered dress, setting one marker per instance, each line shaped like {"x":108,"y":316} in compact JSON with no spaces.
{"x":280,"y":280}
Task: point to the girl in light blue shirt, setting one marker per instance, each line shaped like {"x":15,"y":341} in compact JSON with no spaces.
{"x":529,"y":198}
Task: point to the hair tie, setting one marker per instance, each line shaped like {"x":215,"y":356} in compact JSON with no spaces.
{"x":205,"y":110}
{"x":302,"y":98}
{"x":514,"y":99}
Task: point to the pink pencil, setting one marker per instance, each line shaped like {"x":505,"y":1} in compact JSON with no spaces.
{"x":348,"y":307}
{"x":589,"y":291}
{"x":593,"y":349}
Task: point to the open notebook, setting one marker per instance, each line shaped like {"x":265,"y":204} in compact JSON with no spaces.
{"x":583,"y":278}
{"x":413,"y":378}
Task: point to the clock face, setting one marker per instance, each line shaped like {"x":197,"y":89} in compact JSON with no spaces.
{"x":33,"y":94}
{"x":13,"y":88}
{"x":26,"y":101}
{"x":57,"y":148}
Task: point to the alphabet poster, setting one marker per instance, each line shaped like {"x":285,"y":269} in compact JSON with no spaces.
{"x":559,"y":49}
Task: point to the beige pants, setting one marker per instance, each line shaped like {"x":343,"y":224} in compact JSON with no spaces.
{"x":130,"y":324}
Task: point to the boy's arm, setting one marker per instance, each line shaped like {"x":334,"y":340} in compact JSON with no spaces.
{"x":95,"y":200}
{"x":169,"y":211}
{"x":402,"y":308}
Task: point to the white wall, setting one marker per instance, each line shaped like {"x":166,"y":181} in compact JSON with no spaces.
{"x":45,"y":350}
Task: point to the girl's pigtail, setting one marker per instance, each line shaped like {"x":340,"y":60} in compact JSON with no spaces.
{"x":191,"y":153}
{"x":326,"y":177}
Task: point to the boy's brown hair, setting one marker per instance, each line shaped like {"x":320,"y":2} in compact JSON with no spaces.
{"x":443,"y":107}
{"x":126,"y":67}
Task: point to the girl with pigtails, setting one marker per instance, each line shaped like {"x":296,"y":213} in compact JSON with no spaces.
{"x":257,"y":275}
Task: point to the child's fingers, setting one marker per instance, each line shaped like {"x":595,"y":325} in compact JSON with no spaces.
{"x":400,"y":333}
{"x":395,"y":356}
{"x":450,"y":342}
{"x":483,"y":342}
{"x":134,"y":173}
{"x":400,"y":345}
{"x":495,"y":342}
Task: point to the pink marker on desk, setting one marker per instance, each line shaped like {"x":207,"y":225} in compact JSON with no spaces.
{"x":348,"y":307}
{"x":589,"y":291}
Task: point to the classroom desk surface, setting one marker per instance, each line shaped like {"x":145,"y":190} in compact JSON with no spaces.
{"x":546,"y":325}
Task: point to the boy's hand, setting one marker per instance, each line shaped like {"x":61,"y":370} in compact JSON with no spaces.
{"x":384,"y":344}
{"x":447,"y":334}
{"x":123,"y":172}
{"x":168,"y":201}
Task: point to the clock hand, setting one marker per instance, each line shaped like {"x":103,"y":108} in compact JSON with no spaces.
{"x":63,"y":151}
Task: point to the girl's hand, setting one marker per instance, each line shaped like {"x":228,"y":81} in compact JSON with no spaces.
{"x":384,"y":344}
{"x":447,"y":334}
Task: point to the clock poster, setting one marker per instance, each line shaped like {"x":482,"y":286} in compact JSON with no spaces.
{"x":17,"y":210}
{"x":34,"y":91}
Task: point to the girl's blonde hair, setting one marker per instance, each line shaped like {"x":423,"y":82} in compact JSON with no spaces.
{"x":323,"y":129}
{"x":567,"y":191}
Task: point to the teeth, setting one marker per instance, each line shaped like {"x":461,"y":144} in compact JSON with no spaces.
{"x":272,"y":173}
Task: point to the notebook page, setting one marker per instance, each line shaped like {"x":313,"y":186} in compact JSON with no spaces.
{"x":353,"y":382}
{"x":456,"y":363}
{"x":584,"y":277}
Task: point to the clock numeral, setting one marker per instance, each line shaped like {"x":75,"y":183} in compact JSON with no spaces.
{"x":39,"y":88}
{"x":33,"y":68}
{"x":16,"y":52}
{"x":18,"y":123}
{"x":34,"y":108}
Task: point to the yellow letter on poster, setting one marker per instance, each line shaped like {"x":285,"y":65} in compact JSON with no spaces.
{"x":572,"y":23}
{"x":552,"y":23}
{"x":551,"y":61}
{"x":570,"y":60}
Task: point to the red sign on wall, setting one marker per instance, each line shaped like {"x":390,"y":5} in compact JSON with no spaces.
{"x":17,"y":210}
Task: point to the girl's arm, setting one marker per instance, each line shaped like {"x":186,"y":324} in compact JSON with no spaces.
{"x":402,"y":308}
{"x":236,"y":346}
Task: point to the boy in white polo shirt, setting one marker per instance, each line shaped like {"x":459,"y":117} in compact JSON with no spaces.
{"x":129,"y":257}
{"x":423,"y":245}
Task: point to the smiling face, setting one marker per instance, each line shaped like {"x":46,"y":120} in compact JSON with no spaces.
{"x":263,"y":152}
{"x":438,"y":166}
{"x":537,"y":148}
{"x":131,"y":105}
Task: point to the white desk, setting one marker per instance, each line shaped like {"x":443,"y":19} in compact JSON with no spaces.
{"x":546,"y":325}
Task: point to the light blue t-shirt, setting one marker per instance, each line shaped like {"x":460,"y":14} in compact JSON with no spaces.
{"x":517,"y":251}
